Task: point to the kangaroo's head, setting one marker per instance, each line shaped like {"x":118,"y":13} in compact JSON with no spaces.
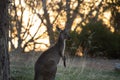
{"x":64,"y":35}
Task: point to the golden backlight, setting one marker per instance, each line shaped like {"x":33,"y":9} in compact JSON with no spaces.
{"x":33,"y":27}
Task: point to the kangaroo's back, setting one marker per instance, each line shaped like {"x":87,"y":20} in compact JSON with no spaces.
{"x":46,"y":65}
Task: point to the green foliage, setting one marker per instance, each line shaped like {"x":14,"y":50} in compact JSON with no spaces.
{"x":73,"y":43}
{"x":97,"y":38}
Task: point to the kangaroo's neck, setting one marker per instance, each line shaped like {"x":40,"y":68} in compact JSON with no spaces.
{"x":61,"y":46}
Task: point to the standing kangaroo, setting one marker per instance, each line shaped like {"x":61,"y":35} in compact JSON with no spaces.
{"x":46,"y":65}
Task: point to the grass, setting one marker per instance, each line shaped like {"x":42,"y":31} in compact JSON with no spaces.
{"x":22,"y":68}
{"x":69,"y":73}
{"x":74,"y":73}
{"x":22,"y":73}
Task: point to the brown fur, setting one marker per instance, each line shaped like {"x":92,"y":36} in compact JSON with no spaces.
{"x":46,"y":65}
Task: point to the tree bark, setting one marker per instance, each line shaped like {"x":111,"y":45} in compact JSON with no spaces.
{"x":48,"y":23}
{"x":4,"y":56}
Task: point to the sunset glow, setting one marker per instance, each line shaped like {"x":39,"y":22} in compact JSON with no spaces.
{"x":33,"y":22}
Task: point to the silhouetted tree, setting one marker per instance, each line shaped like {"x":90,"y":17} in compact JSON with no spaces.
{"x":115,"y":19}
{"x":4,"y":56}
{"x":62,"y":13}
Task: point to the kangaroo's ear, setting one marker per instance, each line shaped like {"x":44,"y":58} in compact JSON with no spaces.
{"x":58,"y":29}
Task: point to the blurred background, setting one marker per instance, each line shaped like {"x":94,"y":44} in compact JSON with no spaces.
{"x":94,"y":25}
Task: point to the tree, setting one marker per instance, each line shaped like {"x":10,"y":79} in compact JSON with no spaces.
{"x":49,"y":13}
{"x":116,"y":14}
{"x":4,"y":57}
{"x":69,"y":14}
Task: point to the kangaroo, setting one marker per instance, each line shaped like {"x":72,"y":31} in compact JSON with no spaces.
{"x":46,"y":65}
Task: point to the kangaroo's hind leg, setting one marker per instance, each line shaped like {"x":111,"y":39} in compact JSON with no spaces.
{"x":38,"y":77}
{"x":50,"y":74}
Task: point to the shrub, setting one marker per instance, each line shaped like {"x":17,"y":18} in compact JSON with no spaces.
{"x":98,"y":39}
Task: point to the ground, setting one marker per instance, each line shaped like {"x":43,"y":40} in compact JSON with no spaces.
{"x":99,"y":63}
{"x":22,"y":68}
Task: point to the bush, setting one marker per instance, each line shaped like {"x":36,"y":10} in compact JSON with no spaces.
{"x":97,"y":38}
{"x":73,"y":43}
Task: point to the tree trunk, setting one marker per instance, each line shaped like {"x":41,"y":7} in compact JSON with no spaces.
{"x":48,"y":24}
{"x":4,"y":57}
